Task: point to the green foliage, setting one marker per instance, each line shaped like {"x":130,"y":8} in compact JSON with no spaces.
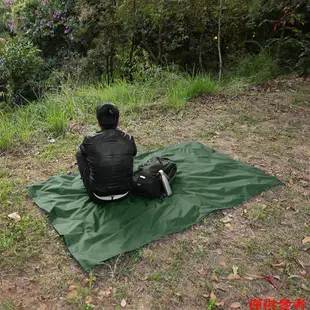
{"x":8,"y":305}
{"x":303,"y":64}
{"x":53,"y":113}
{"x":255,"y":69}
{"x":19,"y":69}
{"x":187,"y":88}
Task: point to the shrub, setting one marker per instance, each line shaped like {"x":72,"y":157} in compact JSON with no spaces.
{"x":20,"y":67}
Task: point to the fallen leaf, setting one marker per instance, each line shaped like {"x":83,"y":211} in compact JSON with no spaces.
{"x":235,"y":269}
{"x":214,"y":278}
{"x":233,"y":277}
{"x":300,"y":263}
{"x":306,"y":240}
{"x":271,"y":281}
{"x":304,"y":287}
{"x":51,"y":140}
{"x":103,"y":293}
{"x":226,"y":219}
{"x":73,"y":291}
{"x":205,"y":295}
{"x":229,"y":226}
{"x":14,"y":216}
{"x":235,"y":305}
{"x":283,"y":264}
{"x":88,"y":300}
{"x":220,"y":304}
{"x":123,"y":303}
{"x":212,"y":296}
{"x":253,"y":276}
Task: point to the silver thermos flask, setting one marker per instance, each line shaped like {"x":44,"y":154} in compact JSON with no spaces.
{"x":166,"y":183}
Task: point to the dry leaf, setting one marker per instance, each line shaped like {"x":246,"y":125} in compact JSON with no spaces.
{"x":235,"y":305}
{"x":14,"y":216}
{"x":306,"y":240}
{"x":73,"y":292}
{"x":214,"y":278}
{"x":233,"y":277}
{"x":123,"y":303}
{"x":304,"y":287}
{"x":212,"y":296}
{"x":220,"y":304}
{"x":229,"y":226}
{"x":226,"y":219}
{"x":283,"y":264}
{"x":103,"y":293}
{"x":254,"y":276}
{"x":205,"y":296}
{"x":88,"y":300}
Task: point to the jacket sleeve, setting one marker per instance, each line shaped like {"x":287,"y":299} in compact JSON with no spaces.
{"x":83,"y":146}
{"x":134,"y":146}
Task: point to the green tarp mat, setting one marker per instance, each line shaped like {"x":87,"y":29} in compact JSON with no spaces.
{"x":206,"y":181}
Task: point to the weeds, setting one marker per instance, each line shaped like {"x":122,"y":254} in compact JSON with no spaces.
{"x":52,"y":114}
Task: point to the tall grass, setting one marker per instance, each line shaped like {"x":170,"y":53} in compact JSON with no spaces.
{"x":53,"y":113}
{"x":255,"y":69}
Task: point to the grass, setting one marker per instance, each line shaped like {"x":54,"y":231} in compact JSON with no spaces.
{"x":175,"y":271}
{"x":53,"y":114}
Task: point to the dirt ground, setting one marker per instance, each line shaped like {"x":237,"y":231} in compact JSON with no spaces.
{"x":213,"y":265}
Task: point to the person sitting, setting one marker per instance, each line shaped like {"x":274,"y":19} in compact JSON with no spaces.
{"x":105,"y":158}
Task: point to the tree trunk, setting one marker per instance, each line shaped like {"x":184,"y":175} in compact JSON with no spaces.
{"x":219,"y":40}
{"x":131,"y":57}
{"x":147,"y":48}
{"x":202,"y":69}
{"x":280,"y":45}
{"x":112,"y":66}
{"x":159,"y":43}
{"x":107,"y":69}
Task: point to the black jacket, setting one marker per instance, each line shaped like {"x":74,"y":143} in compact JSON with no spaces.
{"x":109,"y":154}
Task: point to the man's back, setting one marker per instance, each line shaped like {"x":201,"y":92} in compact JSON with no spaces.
{"x":109,"y":154}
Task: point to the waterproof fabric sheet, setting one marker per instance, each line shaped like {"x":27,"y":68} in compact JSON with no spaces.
{"x":206,"y":181}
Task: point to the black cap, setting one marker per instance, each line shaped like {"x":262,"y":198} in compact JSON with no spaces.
{"x":107,"y":115}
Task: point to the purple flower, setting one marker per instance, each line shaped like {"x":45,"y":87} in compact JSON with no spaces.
{"x":11,"y":27}
{"x":49,"y":24}
{"x":67,"y":30}
{"x":2,"y":39}
{"x":9,"y":3}
{"x":49,"y":11}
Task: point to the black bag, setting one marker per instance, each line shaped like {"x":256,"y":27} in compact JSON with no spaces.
{"x":147,"y":181}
